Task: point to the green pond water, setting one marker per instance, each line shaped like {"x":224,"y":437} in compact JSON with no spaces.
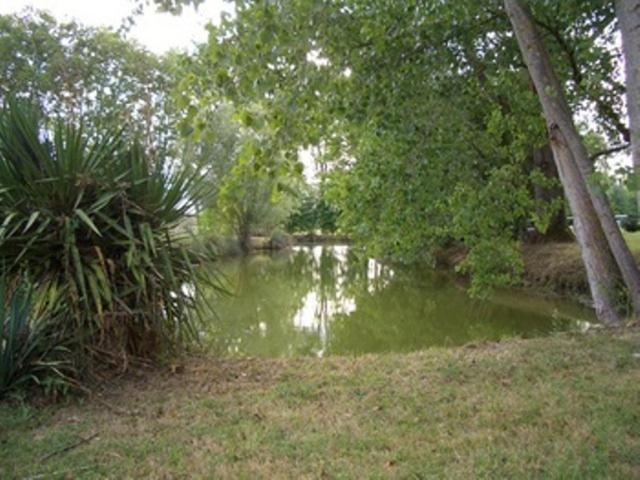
{"x":328,"y":300}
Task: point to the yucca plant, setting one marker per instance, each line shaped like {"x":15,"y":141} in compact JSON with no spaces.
{"x":95,"y":222}
{"x":32,"y":352}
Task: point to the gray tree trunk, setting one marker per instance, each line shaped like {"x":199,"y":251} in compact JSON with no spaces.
{"x":602,"y":272}
{"x":628,"y":13}
{"x":617,"y":244}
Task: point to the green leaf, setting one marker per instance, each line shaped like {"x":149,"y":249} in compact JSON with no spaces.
{"x":85,"y":218}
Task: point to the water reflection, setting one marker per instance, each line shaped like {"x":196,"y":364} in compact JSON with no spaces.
{"x":328,"y":300}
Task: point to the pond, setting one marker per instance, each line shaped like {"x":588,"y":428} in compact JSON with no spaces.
{"x":330,"y":300}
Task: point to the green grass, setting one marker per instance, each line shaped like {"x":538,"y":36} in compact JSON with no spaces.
{"x":633,"y":240}
{"x":559,"y":407}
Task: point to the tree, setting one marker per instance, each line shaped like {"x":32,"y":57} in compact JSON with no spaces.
{"x":313,"y":214}
{"x":213,"y":152}
{"x":622,"y":197}
{"x":423,"y":111}
{"x":249,"y":201}
{"x":430,"y":122}
{"x":76,"y":73}
{"x":628,"y":12}
{"x":247,"y":198}
{"x":599,"y":236}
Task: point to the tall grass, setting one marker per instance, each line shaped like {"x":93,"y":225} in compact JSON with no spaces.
{"x":96,"y":224}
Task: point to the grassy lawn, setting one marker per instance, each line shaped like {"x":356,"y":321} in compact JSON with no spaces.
{"x":566,"y":406}
{"x":633,"y":240}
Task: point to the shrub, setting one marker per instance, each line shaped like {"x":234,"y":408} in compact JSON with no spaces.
{"x":224,"y":246}
{"x":630,"y":224}
{"x":280,"y":240}
{"x":227,"y":246}
{"x":313,"y":214}
{"x":31,"y":350}
{"x":95,"y":222}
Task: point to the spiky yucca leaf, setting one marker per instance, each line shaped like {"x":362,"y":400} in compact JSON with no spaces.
{"x":97,"y":222}
{"x":32,"y":352}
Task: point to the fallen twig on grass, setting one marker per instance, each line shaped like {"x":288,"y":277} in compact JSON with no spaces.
{"x":82,"y":441}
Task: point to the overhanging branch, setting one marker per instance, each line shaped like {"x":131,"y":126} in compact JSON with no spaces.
{"x":609,"y":151}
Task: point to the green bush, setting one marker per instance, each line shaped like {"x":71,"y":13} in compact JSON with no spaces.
{"x":224,"y":246}
{"x":313,"y":214}
{"x":32,"y":352}
{"x":280,"y":240}
{"x":95,"y":222}
{"x":630,"y":224}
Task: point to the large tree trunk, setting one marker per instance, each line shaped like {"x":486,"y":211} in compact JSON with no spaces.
{"x":602,"y":272}
{"x":628,"y":13}
{"x":558,"y":230}
{"x":601,"y":268}
{"x":617,"y":244}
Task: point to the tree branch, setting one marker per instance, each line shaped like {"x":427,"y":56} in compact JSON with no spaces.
{"x":566,"y":48}
{"x":609,"y":151}
{"x":603,"y":108}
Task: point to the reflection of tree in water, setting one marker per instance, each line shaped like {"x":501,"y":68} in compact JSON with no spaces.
{"x":281,"y":304}
{"x":318,"y":300}
{"x":330,"y":294}
{"x":411,"y":308}
{"x":326,"y":298}
{"x":256,"y":318}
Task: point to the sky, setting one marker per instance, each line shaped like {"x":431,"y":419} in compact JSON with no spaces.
{"x":158,"y":32}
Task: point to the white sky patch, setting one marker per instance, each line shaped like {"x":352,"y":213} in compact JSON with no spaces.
{"x":307,"y":156}
{"x":159,"y":32}
{"x":315,"y":56}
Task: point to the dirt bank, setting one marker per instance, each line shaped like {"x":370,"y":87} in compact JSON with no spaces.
{"x":549,"y":268}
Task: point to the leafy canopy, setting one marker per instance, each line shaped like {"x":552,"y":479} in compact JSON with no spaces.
{"x":423,"y":110}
